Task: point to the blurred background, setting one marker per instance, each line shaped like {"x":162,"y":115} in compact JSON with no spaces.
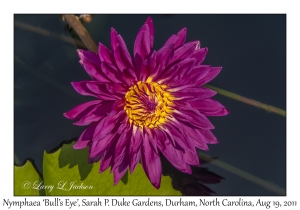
{"x":251,"y":49}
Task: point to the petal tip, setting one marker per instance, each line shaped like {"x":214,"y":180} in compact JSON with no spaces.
{"x":149,"y":20}
{"x":66,"y":115}
{"x":226,"y":111}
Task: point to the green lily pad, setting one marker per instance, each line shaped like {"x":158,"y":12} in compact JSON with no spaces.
{"x":68,"y":171}
{"x":27,"y":181}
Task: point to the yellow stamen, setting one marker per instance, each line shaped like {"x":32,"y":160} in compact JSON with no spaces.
{"x":148,"y":104}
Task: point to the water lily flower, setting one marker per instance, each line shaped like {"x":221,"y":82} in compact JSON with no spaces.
{"x":148,"y":105}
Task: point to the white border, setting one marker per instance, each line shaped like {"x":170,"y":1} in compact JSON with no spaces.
{"x":154,"y":6}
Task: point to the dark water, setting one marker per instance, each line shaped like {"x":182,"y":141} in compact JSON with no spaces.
{"x":251,"y":49}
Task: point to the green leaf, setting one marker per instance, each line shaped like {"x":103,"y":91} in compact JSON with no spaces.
{"x":67,"y":168}
{"x":27,"y":180}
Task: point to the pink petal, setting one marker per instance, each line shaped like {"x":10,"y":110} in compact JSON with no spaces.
{"x":85,"y":137}
{"x":86,"y":55}
{"x":180,"y":136}
{"x":200,"y":55}
{"x":111,"y":72}
{"x":94,"y":71}
{"x":191,"y":77}
{"x":105,"y":54}
{"x":184,"y":52}
{"x":179,"y":70}
{"x":214,"y":71}
{"x":171,"y":153}
{"x":82,"y":89}
{"x":102,"y":92}
{"x":122,"y":144}
{"x":199,"y":143}
{"x":194,"y":93}
{"x":107,"y":159}
{"x":122,"y":58}
{"x":142,"y":42}
{"x":194,"y":118}
{"x":151,"y":30}
{"x":206,"y":136}
{"x":98,"y":147}
{"x":177,"y":40}
{"x":106,"y":125}
{"x":81,"y":109}
{"x":209,"y":107}
{"x":113,"y":39}
{"x":135,"y":148}
{"x":163,"y":57}
{"x":191,"y":158}
{"x":88,"y":119}
{"x":151,"y":163}
{"x":121,"y":169}
{"x":101,"y":110}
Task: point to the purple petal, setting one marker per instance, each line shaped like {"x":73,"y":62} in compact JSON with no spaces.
{"x":180,"y":136}
{"x":173,"y":155}
{"x":98,"y":147}
{"x":200,"y":55}
{"x":121,"y":169}
{"x":191,"y":158}
{"x":102,"y":92}
{"x":106,"y":125}
{"x":98,"y":112}
{"x":95,"y":159}
{"x":144,"y":70}
{"x":191,"y":77}
{"x":122,"y":145}
{"x":122,"y":58}
{"x":115,"y":88}
{"x":89,"y":56}
{"x":194,"y":118}
{"x":177,"y":40}
{"x":82,"y":89}
{"x":94,"y":71}
{"x":135,"y":148}
{"x":129,"y":76}
{"x":163,"y":57}
{"x":142,"y":43}
{"x":184,"y":52}
{"x":85,"y":137}
{"x":81,"y":109}
{"x":105,"y":108}
{"x":111,"y":72}
{"x":107,"y":159}
{"x":209,"y":107}
{"x":88,"y":119}
{"x":153,"y":142}
{"x":151,"y":164}
{"x":214,"y":71}
{"x":199,"y":143}
{"x":206,"y":136}
{"x":105,"y":54}
{"x":193,"y":93}
{"x":113,"y":39}
{"x":176,"y":73}
{"x":151,"y":30}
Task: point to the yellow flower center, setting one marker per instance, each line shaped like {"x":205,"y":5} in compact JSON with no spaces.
{"x":148,"y":104}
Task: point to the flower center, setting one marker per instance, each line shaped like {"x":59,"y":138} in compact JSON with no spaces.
{"x":148,"y":104}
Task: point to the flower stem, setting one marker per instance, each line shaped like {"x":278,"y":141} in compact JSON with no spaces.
{"x":81,"y":32}
{"x":44,"y":32}
{"x":252,"y":102}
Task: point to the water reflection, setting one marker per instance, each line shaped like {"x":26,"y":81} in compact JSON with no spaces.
{"x":195,"y":183}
